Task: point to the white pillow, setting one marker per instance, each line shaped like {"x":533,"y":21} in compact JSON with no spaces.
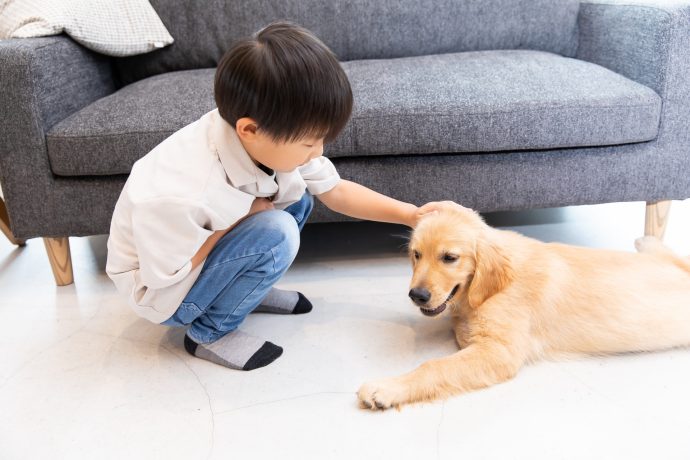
{"x":113,"y":27}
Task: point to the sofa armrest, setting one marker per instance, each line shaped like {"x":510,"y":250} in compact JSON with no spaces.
{"x":648,"y":42}
{"x":53,"y":77}
{"x":43,"y":81}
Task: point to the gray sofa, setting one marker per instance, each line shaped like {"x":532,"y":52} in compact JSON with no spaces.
{"x":497,"y":104}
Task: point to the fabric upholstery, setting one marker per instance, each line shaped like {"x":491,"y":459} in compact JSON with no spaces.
{"x":360,"y":29}
{"x":631,"y":40}
{"x":646,"y":171}
{"x":648,"y":41}
{"x":462,"y":102}
{"x":108,"y":136}
{"x":493,"y":101}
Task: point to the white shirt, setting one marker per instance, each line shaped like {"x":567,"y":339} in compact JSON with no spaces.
{"x":195,"y":182}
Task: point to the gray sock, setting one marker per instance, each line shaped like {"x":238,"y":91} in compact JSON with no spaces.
{"x":235,"y":350}
{"x":284,"y":303}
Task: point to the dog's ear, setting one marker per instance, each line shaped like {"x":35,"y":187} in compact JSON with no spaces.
{"x":492,"y":273}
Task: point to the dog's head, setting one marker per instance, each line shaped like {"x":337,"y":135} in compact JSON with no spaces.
{"x":453,"y":257}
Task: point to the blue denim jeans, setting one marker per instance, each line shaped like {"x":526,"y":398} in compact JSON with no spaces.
{"x":240,"y":270}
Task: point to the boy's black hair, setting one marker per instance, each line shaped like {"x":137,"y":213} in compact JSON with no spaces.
{"x":288,"y":81}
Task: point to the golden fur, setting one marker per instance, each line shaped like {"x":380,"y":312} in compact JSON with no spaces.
{"x":520,"y":300}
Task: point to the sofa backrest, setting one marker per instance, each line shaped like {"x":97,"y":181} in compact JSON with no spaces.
{"x":359,"y":29}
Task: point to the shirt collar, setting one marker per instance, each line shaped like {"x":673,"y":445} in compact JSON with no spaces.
{"x":237,"y":163}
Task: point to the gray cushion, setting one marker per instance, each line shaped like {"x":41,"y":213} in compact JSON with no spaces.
{"x":360,"y":29}
{"x":108,"y":136}
{"x":491,"y":101}
{"x":462,"y":102}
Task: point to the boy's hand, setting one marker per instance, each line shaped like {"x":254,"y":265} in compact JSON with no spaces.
{"x":260,"y":204}
{"x":355,"y":200}
{"x":434,"y":207}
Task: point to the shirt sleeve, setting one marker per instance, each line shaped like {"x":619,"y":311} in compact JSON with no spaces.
{"x":320,"y":175}
{"x":166,"y":235}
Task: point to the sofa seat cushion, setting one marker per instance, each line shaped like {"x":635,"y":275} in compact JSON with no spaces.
{"x":108,"y":136}
{"x":484,"y":101}
{"x":493,"y":101}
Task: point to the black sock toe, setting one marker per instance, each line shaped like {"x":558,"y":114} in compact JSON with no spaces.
{"x":190,"y":345}
{"x":303,"y":305}
{"x":264,"y":356}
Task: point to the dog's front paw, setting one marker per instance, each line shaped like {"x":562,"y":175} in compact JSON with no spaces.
{"x":383,"y":394}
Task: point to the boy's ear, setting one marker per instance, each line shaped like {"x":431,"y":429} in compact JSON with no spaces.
{"x":246,"y":128}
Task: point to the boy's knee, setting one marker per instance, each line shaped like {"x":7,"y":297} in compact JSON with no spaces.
{"x":284,"y":236}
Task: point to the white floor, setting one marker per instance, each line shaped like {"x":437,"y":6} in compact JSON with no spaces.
{"x":82,"y":377}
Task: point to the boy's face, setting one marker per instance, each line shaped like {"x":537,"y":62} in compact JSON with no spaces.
{"x":279,"y":156}
{"x":286,"y":156}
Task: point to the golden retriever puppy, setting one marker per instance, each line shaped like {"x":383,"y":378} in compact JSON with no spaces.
{"x":514,"y":300}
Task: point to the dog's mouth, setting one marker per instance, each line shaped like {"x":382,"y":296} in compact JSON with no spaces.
{"x":438,"y":310}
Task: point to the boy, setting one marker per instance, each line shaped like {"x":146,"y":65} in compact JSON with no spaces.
{"x":209,"y":220}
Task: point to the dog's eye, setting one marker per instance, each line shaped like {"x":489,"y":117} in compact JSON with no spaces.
{"x":448,"y":258}
{"x":416,"y":255}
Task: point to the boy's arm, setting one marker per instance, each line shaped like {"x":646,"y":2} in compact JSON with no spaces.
{"x":205,"y":248}
{"x":357,"y":201}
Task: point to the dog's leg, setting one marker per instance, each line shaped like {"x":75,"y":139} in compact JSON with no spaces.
{"x":479,"y":365}
{"x":462,"y":332}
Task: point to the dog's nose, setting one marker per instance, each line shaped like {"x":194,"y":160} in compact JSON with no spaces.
{"x":419,"y":295}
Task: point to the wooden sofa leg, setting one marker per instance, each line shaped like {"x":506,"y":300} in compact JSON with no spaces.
{"x":60,"y":260}
{"x":5,"y":225}
{"x":656,"y":217}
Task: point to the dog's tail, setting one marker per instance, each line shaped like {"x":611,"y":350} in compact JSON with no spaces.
{"x":684,"y":263}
